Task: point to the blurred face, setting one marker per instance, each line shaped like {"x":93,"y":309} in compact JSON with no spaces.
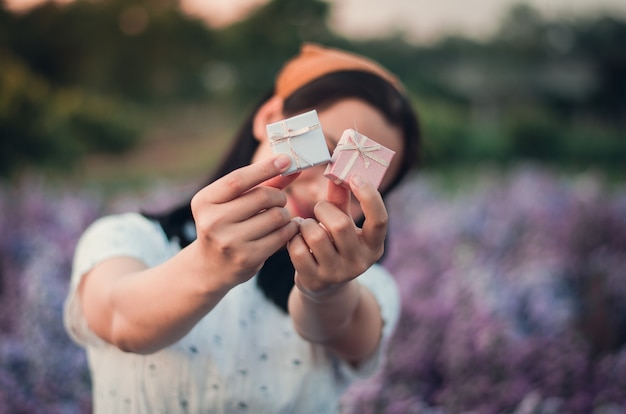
{"x":311,"y":186}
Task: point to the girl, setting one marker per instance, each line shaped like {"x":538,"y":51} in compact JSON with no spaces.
{"x":261,"y":294}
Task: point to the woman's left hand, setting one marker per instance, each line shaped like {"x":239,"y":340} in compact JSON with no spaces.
{"x":331,"y":250}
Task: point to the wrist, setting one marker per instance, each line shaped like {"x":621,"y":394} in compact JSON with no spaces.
{"x":211,"y":280}
{"x":345,"y":293}
{"x":323,"y":316}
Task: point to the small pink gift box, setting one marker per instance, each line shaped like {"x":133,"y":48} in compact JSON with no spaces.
{"x":357,"y":154}
{"x":301,"y":138}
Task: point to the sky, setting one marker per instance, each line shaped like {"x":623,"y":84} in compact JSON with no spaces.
{"x":421,"y":20}
{"x":425,"y":20}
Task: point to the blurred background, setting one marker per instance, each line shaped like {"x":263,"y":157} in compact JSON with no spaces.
{"x":509,"y":244}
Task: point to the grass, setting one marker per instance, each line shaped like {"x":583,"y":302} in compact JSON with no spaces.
{"x":180,"y":145}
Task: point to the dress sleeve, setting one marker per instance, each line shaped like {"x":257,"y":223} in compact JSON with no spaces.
{"x":384,"y":288}
{"x":130,"y":235}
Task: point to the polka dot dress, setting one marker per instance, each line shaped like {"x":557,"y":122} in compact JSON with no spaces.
{"x":242,"y":357}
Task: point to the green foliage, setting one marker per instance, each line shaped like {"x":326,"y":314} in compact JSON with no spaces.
{"x":541,"y":137}
{"x":44,"y":126}
{"x":453,"y":136}
{"x":71,"y":74}
{"x":535,"y":136}
{"x":445,"y":133}
{"x":593,"y":146}
{"x":142,"y":51}
{"x":257,"y":47}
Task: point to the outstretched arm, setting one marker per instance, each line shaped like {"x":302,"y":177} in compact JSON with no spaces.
{"x":239,"y":224}
{"x":328,"y":305}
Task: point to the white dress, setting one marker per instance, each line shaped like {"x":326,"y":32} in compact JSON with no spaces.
{"x":242,"y":357}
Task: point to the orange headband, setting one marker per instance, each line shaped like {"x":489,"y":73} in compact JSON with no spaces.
{"x":315,"y":61}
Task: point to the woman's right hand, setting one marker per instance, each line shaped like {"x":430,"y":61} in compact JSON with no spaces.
{"x":241,"y":220}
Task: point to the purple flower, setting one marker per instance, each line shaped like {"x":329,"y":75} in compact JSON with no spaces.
{"x":513,"y":296}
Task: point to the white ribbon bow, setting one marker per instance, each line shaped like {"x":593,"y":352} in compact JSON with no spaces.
{"x":365,"y":152}
{"x":289,"y":133}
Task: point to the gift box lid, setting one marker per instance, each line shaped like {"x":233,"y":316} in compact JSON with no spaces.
{"x":301,"y":137}
{"x":358,"y":154}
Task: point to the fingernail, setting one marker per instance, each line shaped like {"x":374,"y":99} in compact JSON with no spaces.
{"x":283,"y":162}
{"x":358,"y":181}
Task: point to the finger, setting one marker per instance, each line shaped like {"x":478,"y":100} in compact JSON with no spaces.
{"x":318,"y":240}
{"x":251,"y":203}
{"x":267,"y":245}
{"x":263,"y":223}
{"x":374,"y":211}
{"x":234,"y":184}
{"x":339,"y":196}
{"x":239,"y":210}
{"x":302,"y":259}
{"x":339,"y":226}
{"x":281,"y":181}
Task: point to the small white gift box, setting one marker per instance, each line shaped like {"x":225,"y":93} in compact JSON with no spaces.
{"x":301,"y":138}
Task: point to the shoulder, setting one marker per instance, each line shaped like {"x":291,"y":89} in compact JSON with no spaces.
{"x":127,"y":224}
{"x":129,"y":234}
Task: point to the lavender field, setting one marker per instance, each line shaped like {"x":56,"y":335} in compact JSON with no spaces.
{"x":513,"y":293}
